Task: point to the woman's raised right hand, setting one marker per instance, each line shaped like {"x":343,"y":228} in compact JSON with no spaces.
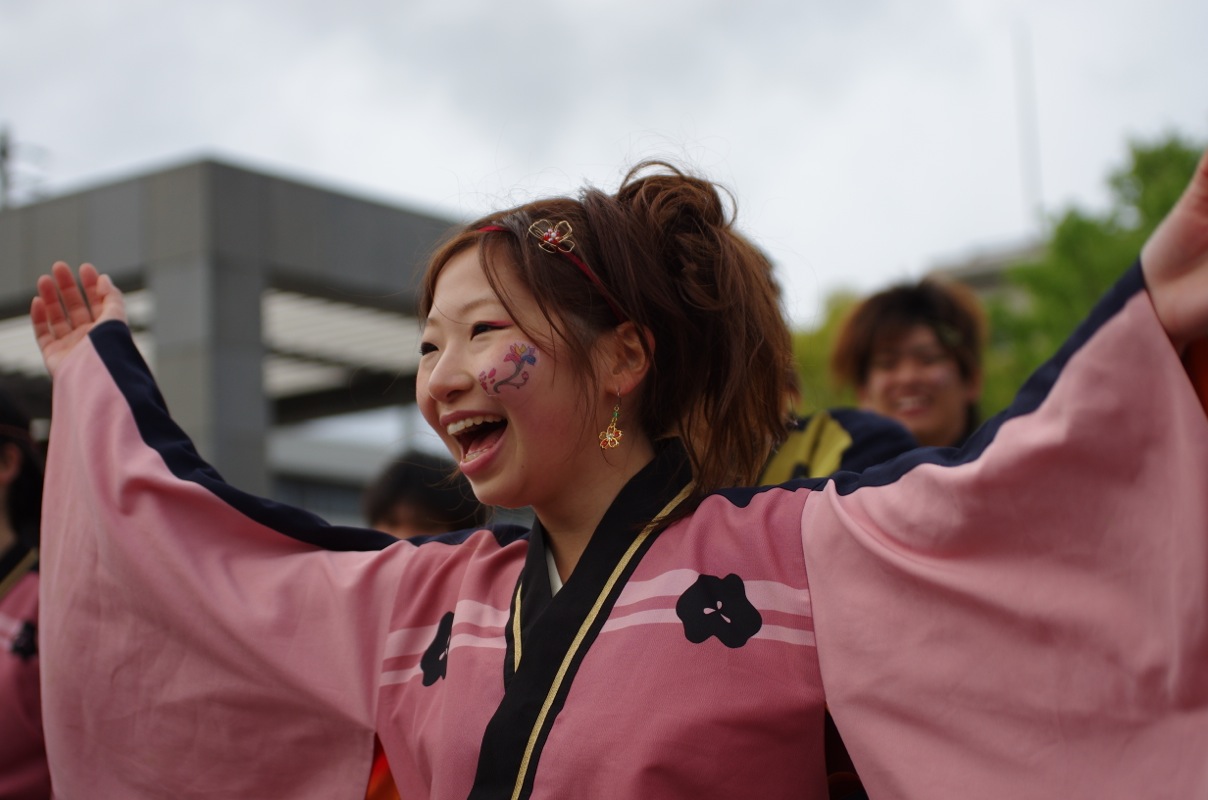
{"x":64,"y":310}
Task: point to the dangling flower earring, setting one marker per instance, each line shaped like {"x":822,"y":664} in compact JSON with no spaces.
{"x":610,"y":437}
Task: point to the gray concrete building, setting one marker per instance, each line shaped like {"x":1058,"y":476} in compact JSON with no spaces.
{"x":258,"y":301}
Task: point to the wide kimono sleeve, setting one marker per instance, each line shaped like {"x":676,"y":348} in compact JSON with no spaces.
{"x":190,"y":648}
{"x":1028,"y":616}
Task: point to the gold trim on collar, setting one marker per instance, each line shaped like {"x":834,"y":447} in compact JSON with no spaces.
{"x":588,"y":621}
{"x":516,"y":626}
{"x":18,"y":572}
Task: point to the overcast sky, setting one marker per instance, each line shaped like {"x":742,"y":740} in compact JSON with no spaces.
{"x":866,"y":140}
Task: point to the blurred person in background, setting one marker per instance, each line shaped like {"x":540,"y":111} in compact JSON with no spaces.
{"x":828,"y":441}
{"x":24,"y":774}
{"x":417,"y":494}
{"x":913,"y":353}
{"x":420,"y":494}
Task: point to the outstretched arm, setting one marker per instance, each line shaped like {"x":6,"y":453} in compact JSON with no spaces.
{"x":64,"y":311}
{"x":1175,"y":263}
{"x":1054,"y":571}
{"x":260,"y":617}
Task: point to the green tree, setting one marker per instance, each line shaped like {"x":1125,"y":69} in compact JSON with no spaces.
{"x":1046,"y":298}
{"x":1085,"y":255}
{"x":812,"y":349}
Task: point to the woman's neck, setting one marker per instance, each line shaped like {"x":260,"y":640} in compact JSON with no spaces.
{"x":570,"y":523}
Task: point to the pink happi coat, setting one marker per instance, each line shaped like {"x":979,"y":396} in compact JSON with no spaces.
{"x":1024,"y":617}
{"x":24,"y":774}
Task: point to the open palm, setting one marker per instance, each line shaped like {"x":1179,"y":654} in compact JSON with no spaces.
{"x":1175,"y":261}
{"x":64,"y":310}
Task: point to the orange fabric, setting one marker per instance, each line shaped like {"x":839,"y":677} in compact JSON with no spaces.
{"x":381,"y":782}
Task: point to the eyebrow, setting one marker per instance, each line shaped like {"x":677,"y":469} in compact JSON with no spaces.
{"x":466,"y":309}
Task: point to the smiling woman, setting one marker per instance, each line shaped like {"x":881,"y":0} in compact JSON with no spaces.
{"x":566,"y":275}
{"x":510,"y":435}
{"x":655,"y":634}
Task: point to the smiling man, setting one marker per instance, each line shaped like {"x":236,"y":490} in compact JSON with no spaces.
{"x":913,"y":353}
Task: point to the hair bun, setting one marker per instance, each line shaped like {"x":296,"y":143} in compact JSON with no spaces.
{"x":672,"y":203}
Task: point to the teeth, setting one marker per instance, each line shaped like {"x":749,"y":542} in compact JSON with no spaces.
{"x":455,"y":428}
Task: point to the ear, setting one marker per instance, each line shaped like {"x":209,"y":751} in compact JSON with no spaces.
{"x":624,"y":360}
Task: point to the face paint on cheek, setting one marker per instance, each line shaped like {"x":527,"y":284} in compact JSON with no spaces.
{"x":522,"y":355}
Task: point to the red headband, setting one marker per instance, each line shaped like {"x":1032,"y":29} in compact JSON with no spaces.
{"x":556,"y":238}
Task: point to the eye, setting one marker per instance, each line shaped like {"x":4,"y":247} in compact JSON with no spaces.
{"x":426,"y":347}
{"x":485,"y":327}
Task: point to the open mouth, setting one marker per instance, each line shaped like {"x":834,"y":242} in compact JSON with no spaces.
{"x":476,"y":435}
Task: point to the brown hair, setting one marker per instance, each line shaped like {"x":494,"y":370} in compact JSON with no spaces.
{"x":665,"y":250}
{"x":440,"y":496}
{"x":951,"y":310}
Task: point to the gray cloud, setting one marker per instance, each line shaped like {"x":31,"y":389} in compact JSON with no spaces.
{"x":864,"y":140}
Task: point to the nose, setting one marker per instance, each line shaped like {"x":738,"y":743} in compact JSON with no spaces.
{"x":446,"y":378}
{"x":907,"y":370}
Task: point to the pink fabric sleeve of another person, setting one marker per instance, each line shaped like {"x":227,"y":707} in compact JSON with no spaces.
{"x":1026,"y":618}
{"x":23,"y":770}
{"x":173,"y":667}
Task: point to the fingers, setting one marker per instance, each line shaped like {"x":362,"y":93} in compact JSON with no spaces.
{"x":71,"y":304}
{"x":1175,"y":263}
{"x":52,"y":315}
{"x":94,"y":296}
{"x":106,"y":297}
{"x":63,"y":304}
{"x":1199,"y":181}
{"x":65,"y":310}
{"x":41,"y":323}
{"x":74,"y":303}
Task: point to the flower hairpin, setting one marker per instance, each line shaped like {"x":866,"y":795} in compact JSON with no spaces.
{"x":552,"y":237}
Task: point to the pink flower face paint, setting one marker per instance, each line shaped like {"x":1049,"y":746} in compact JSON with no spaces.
{"x":519,"y":354}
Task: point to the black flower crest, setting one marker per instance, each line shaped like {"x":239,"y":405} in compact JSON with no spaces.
{"x":436,"y":656}
{"x":718,"y":607}
{"x":25,"y":644}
